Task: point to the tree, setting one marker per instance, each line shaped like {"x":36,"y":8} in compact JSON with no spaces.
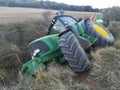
{"x":45,"y":5}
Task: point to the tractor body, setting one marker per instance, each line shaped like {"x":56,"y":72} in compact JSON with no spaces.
{"x":47,"y":48}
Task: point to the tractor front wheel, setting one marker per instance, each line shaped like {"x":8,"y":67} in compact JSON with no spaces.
{"x":74,"y":53}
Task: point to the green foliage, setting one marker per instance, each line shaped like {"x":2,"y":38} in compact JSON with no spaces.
{"x":111,"y":14}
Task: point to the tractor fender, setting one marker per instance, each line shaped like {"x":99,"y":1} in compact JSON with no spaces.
{"x":83,"y":23}
{"x":85,"y":44}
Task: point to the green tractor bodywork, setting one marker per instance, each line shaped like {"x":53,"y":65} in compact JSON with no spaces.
{"x":37,"y":63}
{"x":97,"y":17}
{"x":47,"y":48}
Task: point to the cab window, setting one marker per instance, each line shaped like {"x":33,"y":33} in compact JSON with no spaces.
{"x":57,"y":28}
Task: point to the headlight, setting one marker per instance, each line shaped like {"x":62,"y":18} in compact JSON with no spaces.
{"x":35,"y":52}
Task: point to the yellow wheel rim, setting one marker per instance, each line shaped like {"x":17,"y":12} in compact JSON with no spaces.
{"x":101,"y":31}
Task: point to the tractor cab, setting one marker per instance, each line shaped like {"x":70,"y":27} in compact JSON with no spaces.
{"x":61,"y":23}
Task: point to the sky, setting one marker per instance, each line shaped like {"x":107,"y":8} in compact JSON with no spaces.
{"x":93,"y":3}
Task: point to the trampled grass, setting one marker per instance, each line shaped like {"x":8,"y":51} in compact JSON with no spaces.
{"x":57,"y":77}
{"x":106,"y":68}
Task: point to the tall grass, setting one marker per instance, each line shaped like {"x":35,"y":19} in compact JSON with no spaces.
{"x":114,"y":27}
{"x":14,"y":40}
{"x":106,"y":68}
{"x":106,"y":65}
{"x":57,"y":77}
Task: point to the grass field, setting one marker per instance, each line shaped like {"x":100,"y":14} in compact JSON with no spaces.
{"x":18,"y":27}
{"x":11,"y":14}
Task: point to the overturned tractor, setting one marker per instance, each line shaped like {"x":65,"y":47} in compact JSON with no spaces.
{"x":67,"y":40}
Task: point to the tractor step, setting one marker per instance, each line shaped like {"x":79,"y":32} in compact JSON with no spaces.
{"x":88,"y":37}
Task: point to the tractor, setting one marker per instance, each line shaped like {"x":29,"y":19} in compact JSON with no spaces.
{"x":68,"y":40}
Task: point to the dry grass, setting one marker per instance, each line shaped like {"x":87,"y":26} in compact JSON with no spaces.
{"x":106,"y":68}
{"x":114,"y":27}
{"x":117,"y":44}
{"x":8,"y":54}
{"x":3,"y":74}
{"x":8,"y":14}
{"x":57,"y":77}
{"x":20,"y":14}
{"x":14,"y":39}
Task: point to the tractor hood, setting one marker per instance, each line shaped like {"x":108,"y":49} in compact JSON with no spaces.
{"x":42,"y":50}
{"x":42,"y":45}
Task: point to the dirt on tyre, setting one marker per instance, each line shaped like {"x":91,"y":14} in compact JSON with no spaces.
{"x":104,"y":37}
{"x":74,"y":53}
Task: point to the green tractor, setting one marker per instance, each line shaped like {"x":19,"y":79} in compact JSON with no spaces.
{"x":67,"y":40}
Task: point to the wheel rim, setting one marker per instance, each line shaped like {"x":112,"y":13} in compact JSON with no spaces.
{"x":101,"y":31}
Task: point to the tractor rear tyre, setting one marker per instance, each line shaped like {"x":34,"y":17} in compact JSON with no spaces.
{"x":74,"y":53}
{"x":104,"y":37}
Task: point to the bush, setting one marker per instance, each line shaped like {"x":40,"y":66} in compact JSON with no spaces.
{"x":111,"y":14}
{"x":117,"y":44}
{"x":114,"y":28}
